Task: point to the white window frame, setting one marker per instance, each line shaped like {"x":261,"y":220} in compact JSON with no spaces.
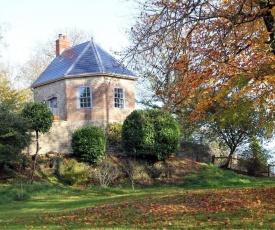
{"x":79,"y":97}
{"x":120,"y":105}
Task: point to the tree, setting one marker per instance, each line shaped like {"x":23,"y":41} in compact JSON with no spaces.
{"x":40,"y":119}
{"x":234,"y":124}
{"x":199,"y":51}
{"x":2,"y":29}
{"x":14,"y":137}
{"x":12,"y":93}
{"x":254,"y":159}
{"x":10,"y":96}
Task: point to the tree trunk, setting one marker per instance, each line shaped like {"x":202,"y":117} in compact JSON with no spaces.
{"x":35,"y":157}
{"x":226,"y":164}
{"x":269,"y":21}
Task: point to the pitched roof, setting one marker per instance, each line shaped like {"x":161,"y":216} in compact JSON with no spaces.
{"x":84,"y":59}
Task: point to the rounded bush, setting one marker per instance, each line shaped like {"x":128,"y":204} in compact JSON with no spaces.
{"x":89,"y":144}
{"x":150,"y":133}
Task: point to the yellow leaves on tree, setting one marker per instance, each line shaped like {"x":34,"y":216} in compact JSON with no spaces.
{"x":12,"y":98}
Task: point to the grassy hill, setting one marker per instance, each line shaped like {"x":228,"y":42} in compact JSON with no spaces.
{"x":191,"y":196}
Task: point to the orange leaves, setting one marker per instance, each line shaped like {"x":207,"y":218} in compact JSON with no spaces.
{"x":167,"y":209}
{"x":232,"y":208}
{"x":208,"y":46}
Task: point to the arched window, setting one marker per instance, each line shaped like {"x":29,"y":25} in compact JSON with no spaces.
{"x":84,"y":97}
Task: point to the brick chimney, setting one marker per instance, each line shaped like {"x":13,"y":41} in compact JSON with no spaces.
{"x":61,"y":44}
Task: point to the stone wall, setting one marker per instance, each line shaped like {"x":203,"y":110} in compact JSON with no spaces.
{"x":56,"y":89}
{"x":58,"y":139}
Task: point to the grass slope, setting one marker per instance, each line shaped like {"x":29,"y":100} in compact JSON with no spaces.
{"x":221,"y":199}
{"x":211,"y":176}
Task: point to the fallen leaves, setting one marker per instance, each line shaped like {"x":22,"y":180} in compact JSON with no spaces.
{"x":233,"y":208}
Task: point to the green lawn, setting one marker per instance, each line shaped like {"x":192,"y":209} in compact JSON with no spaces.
{"x":219,"y":200}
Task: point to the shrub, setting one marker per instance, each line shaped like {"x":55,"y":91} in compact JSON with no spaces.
{"x":73,"y":172}
{"x":89,"y":143}
{"x":106,"y":173}
{"x":137,"y":172}
{"x":254,"y":160}
{"x":113,"y":133}
{"x":150,"y":133}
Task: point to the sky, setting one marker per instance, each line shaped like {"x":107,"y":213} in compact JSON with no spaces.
{"x":27,"y":22}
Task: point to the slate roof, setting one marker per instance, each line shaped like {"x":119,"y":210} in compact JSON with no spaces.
{"x":84,"y":59}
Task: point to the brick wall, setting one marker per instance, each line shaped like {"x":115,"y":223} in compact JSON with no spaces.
{"x":116,"y":114}
{"x":98,"y":110}
{"x":102,"y":99}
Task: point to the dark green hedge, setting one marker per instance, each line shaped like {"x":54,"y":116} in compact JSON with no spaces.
{"x":150,"y":133}
{"x":89,"y":143}
{"x":14,"y":137}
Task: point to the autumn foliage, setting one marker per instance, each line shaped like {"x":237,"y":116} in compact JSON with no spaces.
{"x":224,"y":208}
{"x":198,"y":52}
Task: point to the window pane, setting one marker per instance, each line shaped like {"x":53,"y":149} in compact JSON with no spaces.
{"x":81,"y":91}
{"x":84,"y":97}
{"x":53,"y":102}
{"x":118,"y":98}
